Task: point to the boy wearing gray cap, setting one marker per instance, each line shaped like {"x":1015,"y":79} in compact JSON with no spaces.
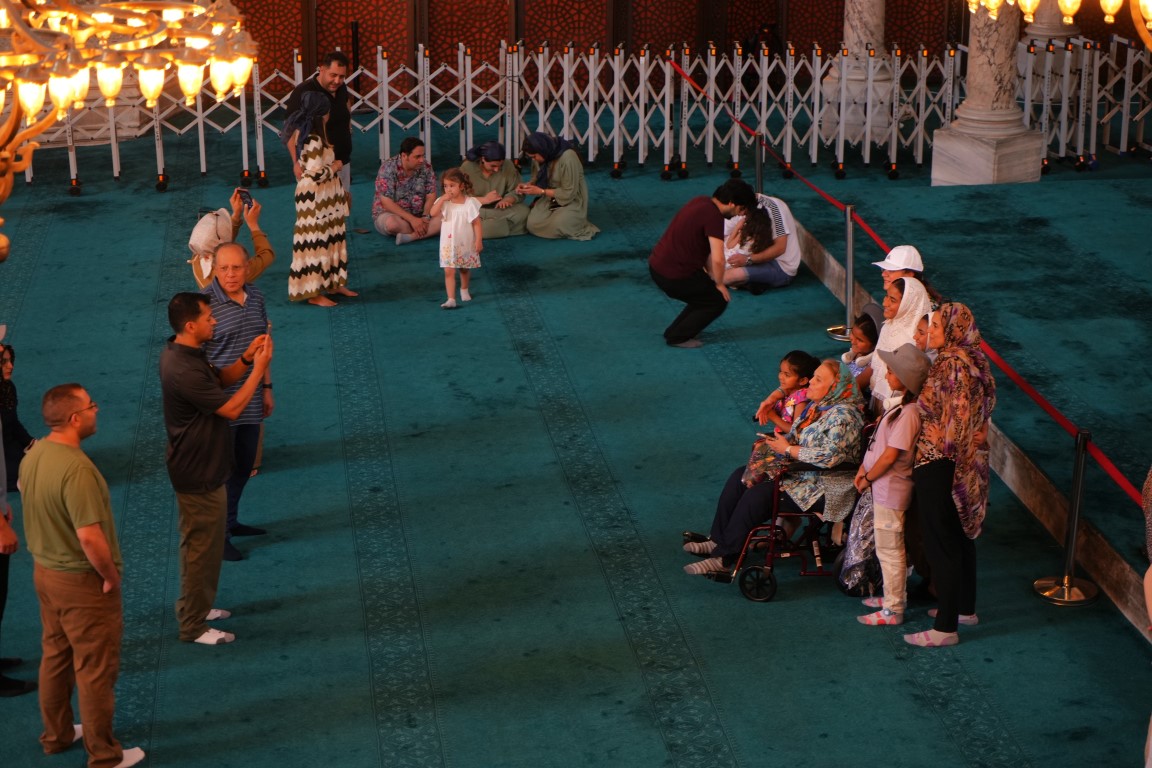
{"x":887,"y":472}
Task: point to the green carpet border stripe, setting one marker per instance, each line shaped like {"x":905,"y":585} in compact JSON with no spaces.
{"x":403,"y":696}
{"x":689,"y":720}
{"x":149,"y":516}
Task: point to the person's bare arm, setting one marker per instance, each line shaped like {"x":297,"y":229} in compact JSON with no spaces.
{"x":96,"y":549}
{"x":716,"y":265}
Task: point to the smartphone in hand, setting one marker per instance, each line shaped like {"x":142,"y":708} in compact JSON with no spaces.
{"x":245,"y":197}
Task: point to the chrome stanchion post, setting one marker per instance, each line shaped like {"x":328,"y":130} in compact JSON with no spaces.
{"x":841,"y":332}
{"x":759,"y":156}
{"x":1068,"y":590}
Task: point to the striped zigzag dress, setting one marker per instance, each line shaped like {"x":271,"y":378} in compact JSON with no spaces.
{"x":319,"y":249}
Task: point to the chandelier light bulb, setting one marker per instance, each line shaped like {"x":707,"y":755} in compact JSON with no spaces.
{"x":150,"y":69}
{"x":1028,"y":8}
{"x":110,"y":78}
{"x":993,"y":7}
{"x":31,"y":93}
{"x":191,"y":77}
{"x":1068,"y":8}
{"x":220,"y":75}
{"x":1146,"y":11}
{"x":1110,"y":8}
{"x":81,"y":82}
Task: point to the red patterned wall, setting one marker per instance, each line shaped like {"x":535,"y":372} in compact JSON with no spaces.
{"x":663,"y":23}
{"x":582,"y":22}
{"x":383,"y":24}
{"x":277,"y":29}
{"x":447,"y":27}
{"x":277,"y":25}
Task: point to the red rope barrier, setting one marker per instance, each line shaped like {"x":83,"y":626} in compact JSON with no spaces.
{"x":1101,"y":458}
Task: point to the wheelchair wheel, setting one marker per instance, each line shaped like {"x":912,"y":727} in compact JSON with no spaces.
{"x":758,"y":584}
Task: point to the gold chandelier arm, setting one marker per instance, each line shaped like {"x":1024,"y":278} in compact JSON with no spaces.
{"x":11,"y":124}
{"x":28,"y":133}
{"x":1138,"y":22}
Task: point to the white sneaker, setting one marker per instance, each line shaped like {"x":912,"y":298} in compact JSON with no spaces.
{"x":131,"y":756}
{"x":212,"y":637}
{"x":218,"y":613}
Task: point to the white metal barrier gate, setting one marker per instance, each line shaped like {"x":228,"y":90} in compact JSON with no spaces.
{"x":626,"y":108}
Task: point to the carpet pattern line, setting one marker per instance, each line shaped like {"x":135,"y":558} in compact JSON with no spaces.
{"x":969,"y":718}
{"x":147,"y":528}
{"x":689,"y":722}
{"x":402,"y":689}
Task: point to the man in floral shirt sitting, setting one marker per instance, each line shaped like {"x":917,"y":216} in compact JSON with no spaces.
{"x":405,"y":190}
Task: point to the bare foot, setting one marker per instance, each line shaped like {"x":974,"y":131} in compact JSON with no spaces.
{"x":322,"y":301}
{"x":345,"y":291}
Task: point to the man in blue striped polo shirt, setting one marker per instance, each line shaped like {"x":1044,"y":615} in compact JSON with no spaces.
{"x":241,"y":316}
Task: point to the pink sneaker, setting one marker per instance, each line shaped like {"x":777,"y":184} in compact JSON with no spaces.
{"x":967,"y":619}
{"x":884,"y":618}
{"x":930,"y":638}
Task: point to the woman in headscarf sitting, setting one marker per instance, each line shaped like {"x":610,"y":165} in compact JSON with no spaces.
{"x":494,"y":181}
{"x":825,"y":435}
{"x":319,"y":249}
{"x":561,"y":206}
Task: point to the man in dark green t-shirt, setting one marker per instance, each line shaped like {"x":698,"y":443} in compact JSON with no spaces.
{"x":72,"y":537}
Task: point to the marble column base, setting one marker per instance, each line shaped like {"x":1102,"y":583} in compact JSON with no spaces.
{"x":959,"y":158}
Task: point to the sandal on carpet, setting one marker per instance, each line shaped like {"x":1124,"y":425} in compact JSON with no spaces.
{"x":930,"y":638}
{"x":884,"y":618}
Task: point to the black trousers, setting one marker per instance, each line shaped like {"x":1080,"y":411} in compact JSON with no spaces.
{"x":739,"y":510}
{"x":951,"y":554}
{"x":245,"y":441}
{"x":705,"y":304}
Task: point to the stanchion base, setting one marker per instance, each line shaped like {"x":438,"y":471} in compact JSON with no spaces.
{"x":1055,"y":589}
{"x":839,"y":332}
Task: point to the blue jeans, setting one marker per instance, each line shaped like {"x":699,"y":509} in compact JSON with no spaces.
{"x":767,"y":275}
{"x":245,"y":441}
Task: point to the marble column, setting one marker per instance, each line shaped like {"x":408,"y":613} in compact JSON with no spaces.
{"x":988,"y":142}
{"x":863,"y":25}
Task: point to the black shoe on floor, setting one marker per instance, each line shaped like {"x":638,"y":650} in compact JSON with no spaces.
{"x":10,"y":687}
{"x":231,"y":554}
{"x":10,"y":662}
{"x":246,"y":530}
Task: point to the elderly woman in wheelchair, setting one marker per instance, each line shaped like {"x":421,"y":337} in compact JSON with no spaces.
{"x":788,"y":475}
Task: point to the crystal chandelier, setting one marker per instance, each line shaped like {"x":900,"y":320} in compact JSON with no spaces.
{"x":1141,"y":12}
{"x":50,"y":49}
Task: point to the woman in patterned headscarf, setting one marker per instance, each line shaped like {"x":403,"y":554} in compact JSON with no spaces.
{"x":494,"y":181}
{"x":951,"y":470}
{"x":561,"y":206}
{"x":825,"y":435}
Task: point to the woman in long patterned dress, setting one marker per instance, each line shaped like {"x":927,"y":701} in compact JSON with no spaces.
{"x":319,"y":247}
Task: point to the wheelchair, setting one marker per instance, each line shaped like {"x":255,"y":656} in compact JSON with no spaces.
{"x":817,"y":539}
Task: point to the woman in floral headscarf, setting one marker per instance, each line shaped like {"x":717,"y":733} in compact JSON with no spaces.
{"x":826,"y":434}
{"x":560,"y":209}
{"x":951,"y":470}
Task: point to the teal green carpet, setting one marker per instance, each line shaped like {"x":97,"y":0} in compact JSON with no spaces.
{"x":474,"y":552}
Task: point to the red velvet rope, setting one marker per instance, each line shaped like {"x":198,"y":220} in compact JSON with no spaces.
{"x":1100,"y":457}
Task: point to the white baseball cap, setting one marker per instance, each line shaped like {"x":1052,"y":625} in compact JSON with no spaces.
{"x":902,"y":257}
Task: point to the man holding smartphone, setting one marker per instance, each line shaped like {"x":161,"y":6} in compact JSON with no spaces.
{"x":241,"y":316}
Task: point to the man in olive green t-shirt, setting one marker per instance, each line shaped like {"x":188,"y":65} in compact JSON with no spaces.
{"x":71,"y":534}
